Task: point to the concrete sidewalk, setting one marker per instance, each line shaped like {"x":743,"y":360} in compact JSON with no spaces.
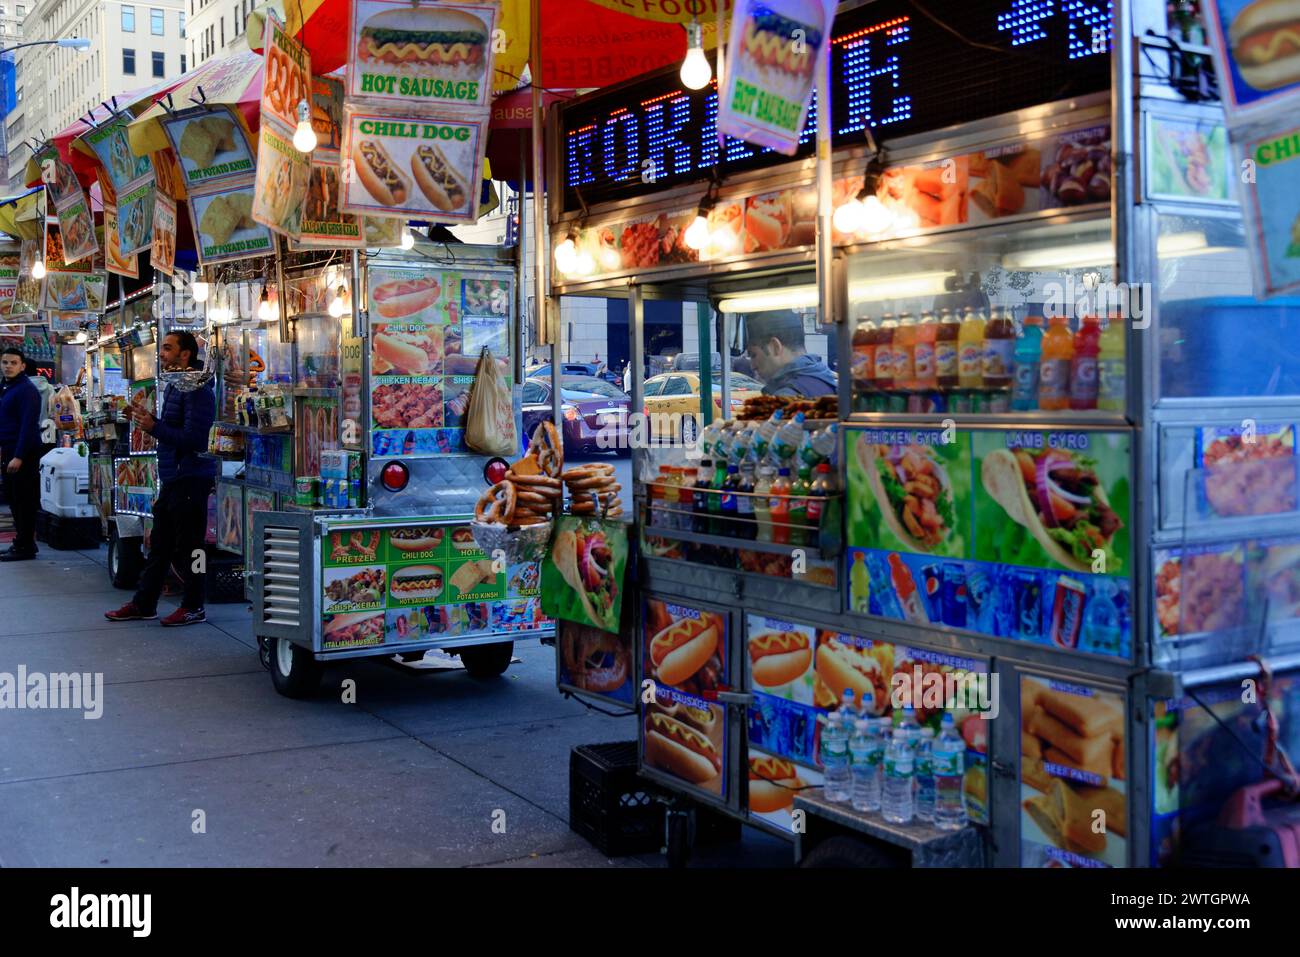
{"x":412,"y":774}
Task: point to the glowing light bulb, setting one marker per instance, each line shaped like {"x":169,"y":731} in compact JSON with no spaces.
{"x":696,"y":70}
{"x":586,"y":264}
{"x":265,"y":311}
{"x":304,"y":137}
{"x":566,"y":256}
{"x":337,"y":306}
{"x":848,"y":218}
{"x":697,"y":233}
{"x":199,"y":290}
{"x":876,"y":217}
{"x":610,"y":259}
{"x":408,"y":238}
{"x":38,"y":270}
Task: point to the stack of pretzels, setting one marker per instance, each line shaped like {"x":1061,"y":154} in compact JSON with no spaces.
{"x":530,"y":492}
{"x":593,"y":491}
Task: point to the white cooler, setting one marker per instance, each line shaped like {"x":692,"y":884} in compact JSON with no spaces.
{"x":65,"y":484}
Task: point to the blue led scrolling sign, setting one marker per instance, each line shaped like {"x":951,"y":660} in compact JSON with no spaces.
{"x":896,"y":68}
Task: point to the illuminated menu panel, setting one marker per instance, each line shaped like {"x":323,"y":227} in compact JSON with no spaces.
{"x":897,"y":66}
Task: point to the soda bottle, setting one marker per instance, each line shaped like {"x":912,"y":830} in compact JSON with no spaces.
{"x":818,"y":492}
{"x":999,"y":344}
{"x":970,"y":351}
{"x":701,"y":496}
{"x":905,"y":352}
{"x":925,"y":776}
{"x":905,"y":588}
{"x":945,"y":350}
{"x":1028,"y":356}
{"x":728,"y":511}
{"x":835,"y":759}
{"x":865,"y":755}
{"x":717,"y":484}
{"x":762,"y":503}
{"x":1111,"y":367}
{"x":798,"y":517}
{"x":687,"y":499}
{"x":949,"y":763}
{"x":1054,"y":372}
{"x":780,"y":507}
{"x":745,"y":526}
{"x":864,"y":356}
{"x":860,"y":585}
{"x":896,"y":788}
{"x":1083,"y":368}
{"x":923,"y":361}
{"x":885,"y":354}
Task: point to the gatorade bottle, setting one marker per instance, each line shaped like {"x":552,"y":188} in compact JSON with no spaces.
{"x":779,"y":507}
{"x":1083,"y":368}
{"x":1027,"y":357}
{"x":945,"y":350}
{"x":860,"y":585}
{"x":799,"y":489}
{"x":885,"y":353}
{"x":923,"y":361}
{"x":864,"y":356}
{"x":1054,"y":372}
{"x":970,"y":351}
{"x":905,"y":352}
{"x":1111,"y":366}
{"x":999,"y":344}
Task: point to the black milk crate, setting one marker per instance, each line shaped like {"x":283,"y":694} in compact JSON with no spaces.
{"x":609,"y":805}
{"x":225,"y":578}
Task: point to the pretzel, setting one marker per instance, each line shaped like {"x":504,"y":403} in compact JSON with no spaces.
{"x":598,"y":482}
{"x":536,"y":482}
{"x":549,"y":447}
{"x":497,"y":506}
{"x":530,"y":520}
{"x":526,"y":496}
{"x":583,"y":472}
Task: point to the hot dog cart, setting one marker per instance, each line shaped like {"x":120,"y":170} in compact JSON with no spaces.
{"x":1106,"y":556}
{"x":373,"y":555}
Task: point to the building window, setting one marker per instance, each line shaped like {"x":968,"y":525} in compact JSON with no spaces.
{"x":156,"y":22}
{"x":223,"y":32}
{"x":159,"y":65}
{"x":128,"y":62}
{"x":182,"y":63}
{"x":22,"y":11}
{"x":182,"y":24}
{"x":20,"y":95}
{"x":128,"y":18}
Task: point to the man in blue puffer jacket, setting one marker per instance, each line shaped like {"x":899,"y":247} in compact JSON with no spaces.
{"x":180,"y":513}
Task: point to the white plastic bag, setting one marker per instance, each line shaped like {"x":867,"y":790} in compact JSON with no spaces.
{"x":490,"y":418}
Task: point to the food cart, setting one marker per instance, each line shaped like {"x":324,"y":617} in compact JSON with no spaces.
{"x":1103,"y":553}
{"x":374,"y":556}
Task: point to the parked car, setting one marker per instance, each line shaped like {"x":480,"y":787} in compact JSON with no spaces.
{"x":597,"y":369}
{"x":679,"y":392}
{"x":594,"y":412}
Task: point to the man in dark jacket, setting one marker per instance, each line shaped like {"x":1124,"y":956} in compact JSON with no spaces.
{"x":775,"y":346}
{"x":180,"y":513}
{"x":20,"y":443}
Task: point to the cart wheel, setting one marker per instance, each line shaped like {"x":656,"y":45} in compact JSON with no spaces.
{"x":264,"y":651}
{"x":690,"y":430}
{"x":487,"y":661}
{"x":294,"y":672}
{"x":678,"y":825}
{"x":124,"y":561}
{"x":845,"y":851}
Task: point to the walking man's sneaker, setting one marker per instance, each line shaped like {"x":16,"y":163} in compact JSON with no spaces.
{"x":129,"y":612}
{"x":184,"y":616}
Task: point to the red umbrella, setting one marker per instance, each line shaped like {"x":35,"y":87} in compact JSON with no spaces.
{"x":512,"y":130}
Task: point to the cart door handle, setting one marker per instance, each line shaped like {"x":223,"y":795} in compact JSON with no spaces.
{"x":741,"y":699}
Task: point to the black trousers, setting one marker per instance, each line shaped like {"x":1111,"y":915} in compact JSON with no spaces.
{"x":23,"y":493}
{"x":180,"y":521}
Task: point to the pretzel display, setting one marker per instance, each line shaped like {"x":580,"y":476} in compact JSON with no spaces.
{"x":549,"y":448}
{"x":498,"y":504}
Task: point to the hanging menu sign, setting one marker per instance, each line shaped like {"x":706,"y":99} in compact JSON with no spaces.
{"x":282,"y":171}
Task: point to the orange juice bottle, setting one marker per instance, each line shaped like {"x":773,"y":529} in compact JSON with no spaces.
{"x":884,"y":378}
{"x":1058,"y":355}
{"x":927,"y":373}
{"x":905,"y":352}
{"x":970,"y":350}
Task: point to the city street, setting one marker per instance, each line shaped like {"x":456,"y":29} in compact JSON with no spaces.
{"x":193,"y":738}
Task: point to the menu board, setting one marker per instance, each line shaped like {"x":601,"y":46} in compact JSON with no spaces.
{"x":135,"y":483}
{"x":1074,"y":796}
{"x":417,"y":582}
{"x":582,"y":574}
{"x":132,"y":179}
{"x":1272,"y":214}
{"x":282,"y":171}
{"x":684,"y":735}
{"x":10,"y":259}
{"x":595,"y":661}
{"x":1254,"y":43}
{"x":230,"y":517}
{"x":76,"y":223}
{"x":162,"y":254}
{"x":427,"y":328}
{"x":144,"y":394}
{"x":1013,"y":534}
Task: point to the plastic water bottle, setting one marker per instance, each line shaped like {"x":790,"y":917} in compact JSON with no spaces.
{"x":848,"y":711}
{"x":949,"y":766}
{"x":835,"y":760}
{"x":910,"y":726}
{"x":785,"y":446}
{"x":865,"y":771}
{"x":925,"y":776}
{"x":896,"y":788}
{"x":766,"y":433}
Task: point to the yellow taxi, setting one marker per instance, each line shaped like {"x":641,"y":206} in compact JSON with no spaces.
{"x":672,"y":400}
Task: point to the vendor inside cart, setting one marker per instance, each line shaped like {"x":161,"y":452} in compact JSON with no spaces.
{"x":780,"y":359}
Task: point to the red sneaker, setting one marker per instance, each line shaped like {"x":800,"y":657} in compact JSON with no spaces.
{"x":129,"y":612}
{"x":184,"y":616}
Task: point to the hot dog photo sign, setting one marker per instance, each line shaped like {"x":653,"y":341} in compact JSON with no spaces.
{"x":400,"y":164}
